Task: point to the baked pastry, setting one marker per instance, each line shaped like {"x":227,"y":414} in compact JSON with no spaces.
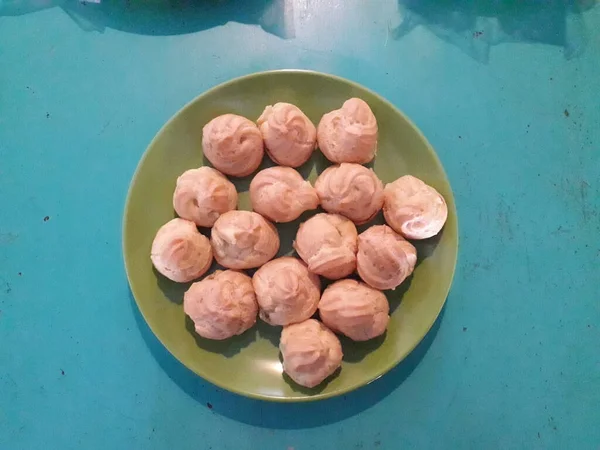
{"x":349,"y":134}
{"x":202,"y":195}
{"x":281,"y":194}
{"x":221,"y":305}
{"x":351,"y":190}
{"x":414,"y":209}
{"x":286,"y":291}
{"x":327,"y":243}
{"x":354,"y":309}
{"x":385,"y":259}
{"x":180,"y":252}
{"x":243,"y":240}
{"x":310,"y":351}
{"x":290,"y":137}
{"x":233,"y":144}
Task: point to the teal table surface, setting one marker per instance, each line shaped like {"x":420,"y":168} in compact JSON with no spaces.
{"x":507,"y":92}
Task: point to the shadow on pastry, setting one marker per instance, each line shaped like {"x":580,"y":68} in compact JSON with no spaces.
{"x":377,"y":220}
{"x":172,"y":290}
{"x":266,"y":331}
{"x":395,"y":297}
{"x":321,"y":163}
{"x":300,"y":415}
{"x":426,"y":247}
{"x":287,"y":233}
{"x":228,"y":347}
{"x":242,"y":184}
{"x":310,"y":391}
{"x":356,"y":351}
{"x":304,"y":170}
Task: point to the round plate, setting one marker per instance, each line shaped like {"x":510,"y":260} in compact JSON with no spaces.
{"x":250,"y":364}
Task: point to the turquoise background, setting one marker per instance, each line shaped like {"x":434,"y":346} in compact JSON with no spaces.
{"x":508,"y":94}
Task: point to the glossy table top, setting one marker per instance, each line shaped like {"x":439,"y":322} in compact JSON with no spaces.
{"x":507,"y":95}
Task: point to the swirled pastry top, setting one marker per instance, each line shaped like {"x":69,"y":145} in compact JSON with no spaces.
{"x":286,"y":291}
{"x":351,"y":190}
{"x":233,"y":144}
{"x":202,"y":195}
{"x":243,"y":240}
{"x":327,"y":243}
{"x":221,"y":305}
{"x":385,"y":259}
{"x":290,"y":137}
{"x":310,"y":351}
{"x":413,"y":208}
{"x":349,"y":134}
{"x":354,"y":309}
{"x":180,"y":252}
{"x":281,"y":194}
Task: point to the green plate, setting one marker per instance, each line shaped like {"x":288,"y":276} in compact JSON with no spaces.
{"x":250,"y":364}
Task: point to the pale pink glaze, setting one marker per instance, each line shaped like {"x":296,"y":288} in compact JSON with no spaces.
{"x":180,"y":252}
{"x":286,"y":291}
{"x":281,"y":194}
{"x":385,"y":259}
{"x":233,"y":144}
{"x":290,"y":137}
{"x":355,"y":310}
{"x":202,"y":195}
{"x":349,"y":134}
{"x":243,"y":240}
{"x":221,"y":305}
{"x":413,"y":208}
{"x":351,"y":190}
{"x":327,"y":243}
{"x":310,"y":351}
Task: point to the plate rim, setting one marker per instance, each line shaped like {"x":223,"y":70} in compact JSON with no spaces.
{"x":214,"y":380}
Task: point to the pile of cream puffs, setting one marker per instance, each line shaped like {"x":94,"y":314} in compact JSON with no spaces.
{"x":287,"y":291}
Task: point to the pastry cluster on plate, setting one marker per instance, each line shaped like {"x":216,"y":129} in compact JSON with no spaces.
{"x":287,"y":291}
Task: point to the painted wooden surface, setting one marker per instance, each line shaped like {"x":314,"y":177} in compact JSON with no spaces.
{"x":508,"y":96}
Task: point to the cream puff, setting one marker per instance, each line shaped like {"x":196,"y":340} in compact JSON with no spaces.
{"x":180,"y":252}
{"x":202,"y":195}
{"x":351,"y":190}
{"x":310,"y":351}
{"x":327,"y":243}
{"x":243,"y":240}
{"x":354,"y":309}
{"x":222,"y":305}
{"x":286,"y":291}
{"x":281,"y":194}
{"x":385,"y":259}
{"x":413,"y":208}
{"x":349,"y":134}
{"x":290,"y":137}
{"x":233,"y":144}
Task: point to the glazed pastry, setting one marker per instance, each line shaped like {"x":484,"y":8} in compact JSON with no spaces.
{"x":349,"y":134}
{"x":233,"y":144}
{"x":221,"y":305}
{"x":351,"y":190}
{"x":202,"y":195}
{"x":413,"y":208}
{"x":327,"y":243}
{"x":243,"y":240}
{"x":180,"y":252}
{"x":385,"y":259}
{"x":281,"y":194}
{"x":355,"y":310}
{"x":286,"y":291}
{"x":290,"y":137}
{"x":310,"y":351}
